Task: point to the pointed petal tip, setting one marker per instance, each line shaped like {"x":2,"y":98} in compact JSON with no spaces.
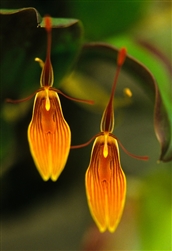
{"x":102,"y":229}
{"x":121,"y":56}
{"x":45,"y":178}
{"x":48,"y":23}
{"x":56,"y":176}
{"x":54,"y":179}
{"x":107,"y":227}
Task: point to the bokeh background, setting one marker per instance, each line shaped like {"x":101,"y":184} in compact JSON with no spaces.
{"x":38,"y":215}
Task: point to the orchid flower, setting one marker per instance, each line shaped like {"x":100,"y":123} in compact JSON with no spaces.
{"x":49,"y":134}
{"x":105,"y":180}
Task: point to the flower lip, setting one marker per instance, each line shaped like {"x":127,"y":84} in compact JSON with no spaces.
{"x":105,"y":184}
{"x":49,"y":136}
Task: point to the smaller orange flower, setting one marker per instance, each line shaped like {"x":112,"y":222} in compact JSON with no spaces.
{"x":105,"y":180}
{"x":49,"y":135}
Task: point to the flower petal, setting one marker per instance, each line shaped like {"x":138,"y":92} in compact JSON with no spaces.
{"x":49,"y":136}
{"x":105,"y":184}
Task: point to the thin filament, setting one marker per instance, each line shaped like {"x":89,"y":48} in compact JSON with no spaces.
{"x":86,"y":143}
{"x":128,"y":153}
{"x":47,"y":76}
{"x":8,"y":100}
{"x":48,"y":27}
{"x":107,"y":122}
{"x":90,"y":102}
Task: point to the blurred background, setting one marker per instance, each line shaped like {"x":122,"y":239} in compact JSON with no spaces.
{"x":38,"y":215}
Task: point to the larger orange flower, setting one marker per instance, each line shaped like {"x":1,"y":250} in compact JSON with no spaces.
{"x":105,"y":183}
{"x":48,"y":133}
{"x":105,"y":180}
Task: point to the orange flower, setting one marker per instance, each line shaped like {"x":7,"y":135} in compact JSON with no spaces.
{"x":49,"y":135}
{"x":105,"y":183}
{"x":105,"y":180}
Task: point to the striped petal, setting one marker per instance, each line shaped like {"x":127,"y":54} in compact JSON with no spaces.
{"x":49,"y":135}
{"x":105,"y":183}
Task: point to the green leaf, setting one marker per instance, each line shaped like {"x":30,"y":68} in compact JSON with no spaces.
{"x":23,"y":38}
{"x":160,"y":69}
{"x":93,"y":63}
{"x":104,"y":18}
